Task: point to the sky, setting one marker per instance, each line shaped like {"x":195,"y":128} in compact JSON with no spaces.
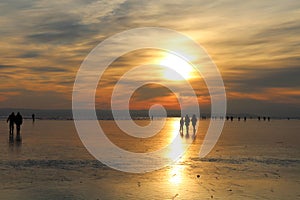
{"x":255,"y":44}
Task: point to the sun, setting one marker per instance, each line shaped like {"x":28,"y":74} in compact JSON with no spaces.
{"x":176,"y":68}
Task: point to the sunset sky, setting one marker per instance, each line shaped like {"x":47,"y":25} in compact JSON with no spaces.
{"x":255,"y":44}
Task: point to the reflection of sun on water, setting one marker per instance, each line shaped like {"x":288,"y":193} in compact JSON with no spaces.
{"x":176,"y":174}
{"x":176,"y":68}
{"x":177,"y":147}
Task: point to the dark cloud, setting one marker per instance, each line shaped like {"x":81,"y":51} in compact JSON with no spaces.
{"x":11,"y":90}
{"x":259,"y":79}
{"x":8,"y":7}
{"x":283,"y":77}
{"x":151,"y":91}
{"x":66,"y":82}
{"x":48,"y":69}
{"x":280,"y":31}
{"x":7,"y":66}
{"x":29,"y":54}
{"x":61,"y":30}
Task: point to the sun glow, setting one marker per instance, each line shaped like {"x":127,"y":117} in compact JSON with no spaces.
{"x":176,"y":68}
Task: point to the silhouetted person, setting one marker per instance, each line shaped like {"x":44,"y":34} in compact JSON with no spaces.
{"x":258,"y":118}
{"x":18,"y":121}
{"x":264,"y":118}
{"x":33,"y":117}
{"x":11,"y":121}
{"x":181,"y":124}
{"x":187,"y":123}
{"x":269,"y":118}
{"x":245,"y":118}
{"x":194,"y":122}
{"x":239,"y":118}
{"x":231,"y":118}
{"x":227,"y":118}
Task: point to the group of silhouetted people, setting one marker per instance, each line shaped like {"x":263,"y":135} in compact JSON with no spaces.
{"x":245,"y":118}
{"x":264,"y":118}
{"x":186,"y":121}
{"x":13,"y":120}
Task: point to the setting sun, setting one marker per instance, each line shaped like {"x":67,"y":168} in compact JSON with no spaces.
{"x":176,"y":68}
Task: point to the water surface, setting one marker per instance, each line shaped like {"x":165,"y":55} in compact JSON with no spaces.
{"x":252,"y":160}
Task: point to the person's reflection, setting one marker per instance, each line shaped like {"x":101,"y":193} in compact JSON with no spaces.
{"x":194,"y":136}
{"x":11,"y":141}
{"x":194,"y":131}
{"x":14,"y":145}
{"x":18,"y":146}
{"x":187,"y":135}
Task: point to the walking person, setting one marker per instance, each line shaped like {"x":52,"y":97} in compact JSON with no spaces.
{"x":187,"y":123}
{"x":19,"y":122}
{"x":33,"y":118}
{"x":11,"y":121}
{"x":181,"y":125}
{"x":194,"y":122}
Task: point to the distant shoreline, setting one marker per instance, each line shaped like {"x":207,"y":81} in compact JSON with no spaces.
{"x":3,"y":118}
{"x":66,"y":114}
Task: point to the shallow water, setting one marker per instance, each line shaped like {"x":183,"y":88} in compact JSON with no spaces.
{"x":252,"y":160}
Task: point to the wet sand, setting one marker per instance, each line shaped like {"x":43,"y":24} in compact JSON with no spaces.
{"x":252,"y":160}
